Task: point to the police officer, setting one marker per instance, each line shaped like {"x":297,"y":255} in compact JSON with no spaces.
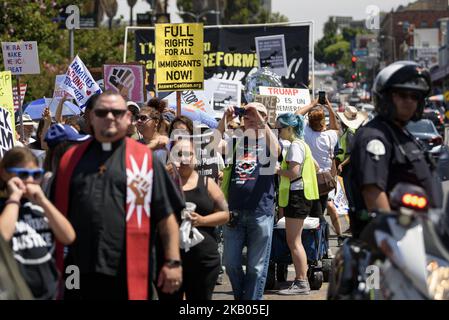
{"x":384,"y":152}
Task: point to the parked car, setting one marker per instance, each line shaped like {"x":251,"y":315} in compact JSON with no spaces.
{"x":425,"y":131}
{"x":434,"y":114}
{"x":366,"y":107}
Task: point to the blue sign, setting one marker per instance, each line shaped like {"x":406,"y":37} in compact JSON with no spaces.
{"x":361,"y":52}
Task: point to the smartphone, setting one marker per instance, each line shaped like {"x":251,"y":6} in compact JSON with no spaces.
{"x":321,"y":97}
{"x":239,"y":112}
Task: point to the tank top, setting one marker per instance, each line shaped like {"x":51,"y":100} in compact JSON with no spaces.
{"x":206,"y":252}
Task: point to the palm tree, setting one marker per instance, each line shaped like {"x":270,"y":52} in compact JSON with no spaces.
{"x":110,"y":7}
{"x":131,"y":4}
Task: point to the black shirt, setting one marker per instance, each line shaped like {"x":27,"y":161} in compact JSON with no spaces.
{"x":33,"y":247}
{"x":97,"y":208}
{"x":204,"y":253}
{"x":377,"y":159}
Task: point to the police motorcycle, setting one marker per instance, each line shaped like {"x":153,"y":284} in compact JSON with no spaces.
{"x":400,"y":255}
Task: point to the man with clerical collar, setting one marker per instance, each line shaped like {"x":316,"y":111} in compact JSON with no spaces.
{"x":117,"y":194}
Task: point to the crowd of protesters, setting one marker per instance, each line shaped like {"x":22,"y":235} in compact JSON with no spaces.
{"x":108,"y":192}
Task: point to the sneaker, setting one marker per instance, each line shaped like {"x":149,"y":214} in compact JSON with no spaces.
{"x":219,"y":279}
{"x":297,"y":287}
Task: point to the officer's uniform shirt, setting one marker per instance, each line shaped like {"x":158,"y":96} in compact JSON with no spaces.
{"x":377,"y":160}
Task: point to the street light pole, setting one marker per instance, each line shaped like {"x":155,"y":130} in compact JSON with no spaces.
{"x":197,"y":17}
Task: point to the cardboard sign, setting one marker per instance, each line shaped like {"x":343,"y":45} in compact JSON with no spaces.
{"x":179,"y":57}
{"x":288,"y":99}
{"x":270,"y":103}
{"x":128,"y":79}
{"x":6,"y":102}
{"x":21,"y":57}
{"x":223,"y":93}
{"x":23,"y":89}
{"x":79,"y":83}
{"x":271,"y":53}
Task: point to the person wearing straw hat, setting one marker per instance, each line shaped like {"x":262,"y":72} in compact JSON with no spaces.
{"x":351,"y":119}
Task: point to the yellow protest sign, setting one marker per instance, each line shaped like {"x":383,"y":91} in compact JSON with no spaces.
{"x":7,"y":130}
{"x":179,"y":56}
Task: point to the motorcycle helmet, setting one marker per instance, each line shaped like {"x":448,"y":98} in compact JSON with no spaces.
{"x":405,"y":75}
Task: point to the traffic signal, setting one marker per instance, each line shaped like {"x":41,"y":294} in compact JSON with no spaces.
{"x":354,"y":61}
{"x":354,"y":77}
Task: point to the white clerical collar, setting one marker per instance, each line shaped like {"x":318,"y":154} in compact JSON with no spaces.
{"x":106,"y":146}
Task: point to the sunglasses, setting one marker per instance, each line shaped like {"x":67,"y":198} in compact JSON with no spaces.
{"x":23,"y":174}
{"x":411,"y":95}
{"x":143,"y":118}
{"x":102,"y":113}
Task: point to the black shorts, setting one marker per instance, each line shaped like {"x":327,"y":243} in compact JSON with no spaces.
{"x":298,"y":206}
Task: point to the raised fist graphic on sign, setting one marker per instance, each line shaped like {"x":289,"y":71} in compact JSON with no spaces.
{"x":123,"y":80}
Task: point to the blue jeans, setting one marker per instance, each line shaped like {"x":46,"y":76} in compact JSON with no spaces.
{"x":253,"y":230}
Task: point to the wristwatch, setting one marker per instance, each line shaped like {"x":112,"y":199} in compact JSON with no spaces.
{"x":173,"y":263}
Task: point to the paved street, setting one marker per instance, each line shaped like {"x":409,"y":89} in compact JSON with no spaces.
{"x":224,"y":291}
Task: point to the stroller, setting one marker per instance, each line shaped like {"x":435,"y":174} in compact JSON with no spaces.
{"x":316,"y":247}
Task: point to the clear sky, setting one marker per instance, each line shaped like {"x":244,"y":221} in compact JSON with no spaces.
{"x":295,"y":10}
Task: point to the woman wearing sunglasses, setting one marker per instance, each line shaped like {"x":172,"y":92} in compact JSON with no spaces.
{"x":31,"y":222}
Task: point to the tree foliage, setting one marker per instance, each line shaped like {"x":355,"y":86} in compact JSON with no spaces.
{"x":34,"y":21}
{"x":335,"y":48}
{"x":233,"y":12}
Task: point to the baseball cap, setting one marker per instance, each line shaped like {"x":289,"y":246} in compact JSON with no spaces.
{"x":133,"y":107}
{"x":63,"y":132}
{"x":259,"y":107}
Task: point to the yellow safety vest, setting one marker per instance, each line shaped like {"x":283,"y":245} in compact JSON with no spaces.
{"x":308,"y":174}
{"x":343,"y":145}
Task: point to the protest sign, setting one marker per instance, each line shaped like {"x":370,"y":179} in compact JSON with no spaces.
{"x":21,"y":57}
{"x":223,"y":93}
{"x":271,"y":53}
{"x":340,"y":200}
{"x":179,"y":57}
{"x":60,"y":93}
{"x":79,"y":83}
{"x":194,"y":99}
{"x":208,"y":158}
{"x":288,"y":99}
{"x":23,"y":89}
{"x":127,"y":78}
{"x":6,"y":99}
{"x":270,"y":103}
{"x":229,"y":53}
{"x":7,"y":131}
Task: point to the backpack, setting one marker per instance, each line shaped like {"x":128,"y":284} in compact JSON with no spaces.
{"x":12,"y":284}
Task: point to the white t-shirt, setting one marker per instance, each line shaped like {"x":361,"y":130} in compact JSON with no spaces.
{"x":322,"y":145}
{"x":297,"y":153}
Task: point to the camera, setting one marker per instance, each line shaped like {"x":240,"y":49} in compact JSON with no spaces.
{"x":239,"y":112}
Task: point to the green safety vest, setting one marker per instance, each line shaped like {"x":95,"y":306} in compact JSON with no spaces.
{"x":342,"y":142}
{"x":308,"y":174}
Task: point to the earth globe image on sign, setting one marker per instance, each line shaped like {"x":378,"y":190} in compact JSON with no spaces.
{"x":263,"y":77}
